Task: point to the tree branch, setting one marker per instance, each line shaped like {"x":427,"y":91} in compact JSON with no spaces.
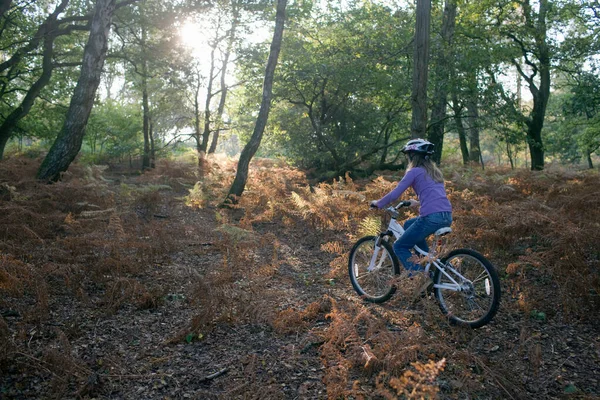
{"x":125,"y":3}
{"x":43,"y":30}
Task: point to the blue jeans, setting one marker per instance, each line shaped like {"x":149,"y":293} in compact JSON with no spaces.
{"x":416,"y":230}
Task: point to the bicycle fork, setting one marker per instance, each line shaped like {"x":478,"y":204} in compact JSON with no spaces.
{"x":375,"y":264}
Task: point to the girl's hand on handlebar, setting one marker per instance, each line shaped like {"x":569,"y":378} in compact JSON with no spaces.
{"x":413,"y":203}
{"x":408,"y":203}
{"x":373,"y":204}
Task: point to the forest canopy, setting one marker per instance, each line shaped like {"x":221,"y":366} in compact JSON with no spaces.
{"x":509,"y":82}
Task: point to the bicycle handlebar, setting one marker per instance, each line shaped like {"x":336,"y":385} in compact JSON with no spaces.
{"x":394,"y":210}
{"x":405,"y":203}
{"x":402,"y":204}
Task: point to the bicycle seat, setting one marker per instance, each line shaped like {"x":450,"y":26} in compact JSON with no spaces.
{"x":443,"y":231}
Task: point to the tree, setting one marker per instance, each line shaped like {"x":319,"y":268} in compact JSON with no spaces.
{"x":222,"y":22}
{"x":344,"y":80}
{"x":537,"y":27}
{"x":136,"y":32}
{"x":443,"y":66}
{"x":155,"y":67}
{"x":457,"y":109}
{"x":520,"y":33}
{"x":574,"y":128}
{"x":68,"y":143}
{"x":585,"y":103}
{"x":241,"y":176}
{"x":223,"y":91}
{"x":420,"y":70}
{"x":14,"y":66}
{"x":114,"y":131}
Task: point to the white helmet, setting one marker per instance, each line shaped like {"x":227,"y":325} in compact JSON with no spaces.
{"x":420,"y":146}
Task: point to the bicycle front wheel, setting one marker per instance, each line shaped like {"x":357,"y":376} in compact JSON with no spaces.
{"x":472,"y":296}
{"x":372,"y":269}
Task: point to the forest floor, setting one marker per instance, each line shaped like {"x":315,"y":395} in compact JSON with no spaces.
{"x":125,"y":286}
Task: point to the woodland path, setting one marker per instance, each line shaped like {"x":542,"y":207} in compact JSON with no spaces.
{"x":133,"y":353}
{"x":522,"y":358}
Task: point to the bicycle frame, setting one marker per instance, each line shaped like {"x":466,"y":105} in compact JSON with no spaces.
{"x":397,"y":230}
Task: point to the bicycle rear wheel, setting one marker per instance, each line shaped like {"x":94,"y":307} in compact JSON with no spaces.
{"x":372,"y":269}
{"x":479,"y":298}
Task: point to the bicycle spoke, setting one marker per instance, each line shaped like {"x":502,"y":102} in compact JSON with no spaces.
{"x":477,"y":300}
{"x":372,"y":275}
{"x":483,"y":275}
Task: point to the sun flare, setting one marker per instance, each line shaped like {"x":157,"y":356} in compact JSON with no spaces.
{"x":194,"y":37}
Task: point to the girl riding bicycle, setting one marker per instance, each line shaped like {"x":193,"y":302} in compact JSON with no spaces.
{"x":435,"y":210}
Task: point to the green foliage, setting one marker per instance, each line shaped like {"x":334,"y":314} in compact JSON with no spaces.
{"x":114,"y":131}
{"x":197,"y":197}
{"x":538,"y":315}
{"x":574,"y":119}
{"x":133,"y":192}
{"x":570,"y":389}
{"x":342,"y":86}
{"x":508,"y":46}
{"x":23,"y":78}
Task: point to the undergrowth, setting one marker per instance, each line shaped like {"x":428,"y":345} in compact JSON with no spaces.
{"x":91,"y":240}
{"x":539,"y":229}
{"x":78,"y":240}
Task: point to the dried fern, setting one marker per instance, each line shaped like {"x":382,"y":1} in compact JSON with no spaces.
{"x":415,"y":383}
{"x":369,"y":226}
{"x":301,"y":204}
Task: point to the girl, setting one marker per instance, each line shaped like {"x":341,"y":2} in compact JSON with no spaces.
{"x":435,"y":210}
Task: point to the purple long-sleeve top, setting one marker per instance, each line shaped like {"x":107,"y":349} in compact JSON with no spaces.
{"x":431,"y":194}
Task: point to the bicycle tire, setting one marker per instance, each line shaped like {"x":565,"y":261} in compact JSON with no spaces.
{"x":373,"y":286}
{"x":479,"y":302}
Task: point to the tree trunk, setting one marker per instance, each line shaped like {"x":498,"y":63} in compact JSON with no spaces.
{"x":462,"y":137}
{"x":152,"y":148}
{"x":541,"y":94}
{"x":209,"y":96}
{"x":145,"y":101}
{"x":589,"y":160}
{"x":68,"y":143}
{"x":197,"y":133}
{"x":421,"y":60}
{"x":146,"y":122}
{"x":387,"y":133}
{"x":224,"y":89}
{"x":474,"y":148}
{"x":239,"y":183}
{"x":214,"y":142}
{"x":440,"y":97}
{"x":536,"y":122}
{"x":317,"y":120}
{"x":509,"y":154}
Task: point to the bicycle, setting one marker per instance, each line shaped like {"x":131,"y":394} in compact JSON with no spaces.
{"x":465,"y":284}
